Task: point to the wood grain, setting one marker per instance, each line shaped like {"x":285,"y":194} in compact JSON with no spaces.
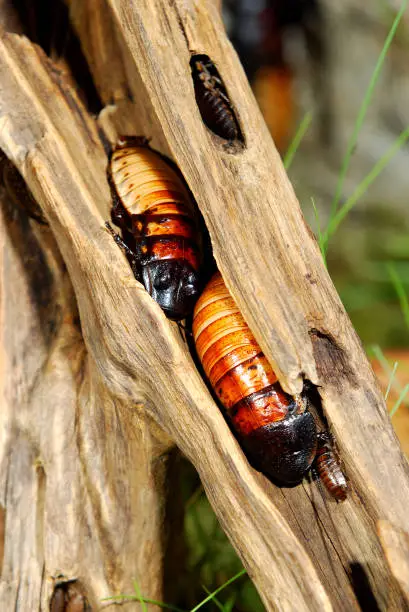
{"x":301,"y":553}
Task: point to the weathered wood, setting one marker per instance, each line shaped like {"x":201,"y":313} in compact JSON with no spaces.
{"x":395,"y":543}
{"x":139,"y":355}
{"x":82,"y":478}
{"x":256,"y":226}
{"x":299,"y":552}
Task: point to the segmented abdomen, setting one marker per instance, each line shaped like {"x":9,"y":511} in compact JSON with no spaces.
{"x":157,"y":202}
{"x":234,"y":363}
{"x":219,"y":116}
{"x":329,"y":470}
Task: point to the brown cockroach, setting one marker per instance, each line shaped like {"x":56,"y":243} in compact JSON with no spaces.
{"x":212,"y":100}
{"x":159,"y":230}
{"x":277,"y":431}
{"x":328,"y":468}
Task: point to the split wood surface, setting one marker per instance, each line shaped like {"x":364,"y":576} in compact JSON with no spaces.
{"x":83,"y":460}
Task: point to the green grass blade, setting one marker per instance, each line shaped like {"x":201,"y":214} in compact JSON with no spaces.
{"x":209,"y":597}
{"x":139,"y":596}
{"x":161,"y":604}
{"x":399,"y":400}
{"x":391,"y":378}
{"x":337,"y":219}
{"x":321,"y":243}
{"x":143,"y":600}
{"x":229,"y":605}
{"x":378,"y":354}
{"x":295,"y":143}
{"x":154,"y":602}
{"x":364,"y":108}
{"x":400,"y":291}
{"x":214,"y":599}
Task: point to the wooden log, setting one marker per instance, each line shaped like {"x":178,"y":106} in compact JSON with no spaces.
{"x":256,"y":226}
{"x":301,"y":555}
{"x":83,"y":479}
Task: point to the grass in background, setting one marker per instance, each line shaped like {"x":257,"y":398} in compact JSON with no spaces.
{"x":400,"y":291}
{"x":364,"y":108}
{"x":226,"y":607}
{"x":393,"y":381}
{"x":320,"y":237}
{"x":400,"y":400}
{"x":337,"y":217}
{"x":295,"y":143}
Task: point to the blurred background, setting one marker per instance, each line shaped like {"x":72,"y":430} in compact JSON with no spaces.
{"x":310,"y":63}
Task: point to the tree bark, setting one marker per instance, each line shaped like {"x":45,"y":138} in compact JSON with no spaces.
{"x":301,"y":553}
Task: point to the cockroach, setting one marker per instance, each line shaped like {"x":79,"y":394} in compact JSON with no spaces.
{"x":67,"y":598}
{"x":328,"y":469}
{"x":277,"y":431}
{"x":160,"y":234}
{"x":212,"y":100}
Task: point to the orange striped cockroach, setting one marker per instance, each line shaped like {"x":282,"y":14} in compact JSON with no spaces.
{"x":278,"y":432}
{"x":212,"y":100}
{"x":160,"y":233}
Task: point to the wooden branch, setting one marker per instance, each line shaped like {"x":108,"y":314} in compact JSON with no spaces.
{"x":83,"y":481}
{"x":256,"y":226}
{"x":299,"y":554}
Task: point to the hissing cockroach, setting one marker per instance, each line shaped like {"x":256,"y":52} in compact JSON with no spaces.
{"x":277,"y":431}
{"x":159,"y":231}
{"x":212,"y":100}
{"x":328,"y":468}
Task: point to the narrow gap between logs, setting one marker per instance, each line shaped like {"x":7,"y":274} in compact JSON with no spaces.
{"x":47,"y":23}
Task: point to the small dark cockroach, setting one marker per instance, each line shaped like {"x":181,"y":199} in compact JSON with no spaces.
{"x":212,"y":100}
{"x":327,"y":466}
{"x":276,"y":430}
{"x":67,"y":598}
{"x":159,"y":229}
{"x":18,"y":191}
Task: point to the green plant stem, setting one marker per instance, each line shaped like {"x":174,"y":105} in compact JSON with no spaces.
{"x":337,"y":219}
{"x":154,"y":602}
{"x":399,"y":400}
{"x":295,"y":143}
{"x":139,"y":595}
{"x":319,"y":233}
{"x":400,"y":291}
{"x":202,"y":603}
{"x":364,"y":108}
{"x":214,"y":598}
{"x":391,"y":378}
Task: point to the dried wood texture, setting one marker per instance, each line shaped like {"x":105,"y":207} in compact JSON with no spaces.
{"x":300,"y":554}
{"x":82,"y":476}
{"x":264,"y":249}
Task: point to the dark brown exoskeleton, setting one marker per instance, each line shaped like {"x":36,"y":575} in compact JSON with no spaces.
{"x":328,"y":468}
{"x":212,"y":100}
{"x":68,"y":598}
{"x":160,"y":234}
{"x":277,"y":431}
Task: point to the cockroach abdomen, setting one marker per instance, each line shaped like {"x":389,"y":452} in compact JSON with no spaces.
{"x":328,"y":467}
{"x":284,"y":450}
{"x":212,"y":99}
